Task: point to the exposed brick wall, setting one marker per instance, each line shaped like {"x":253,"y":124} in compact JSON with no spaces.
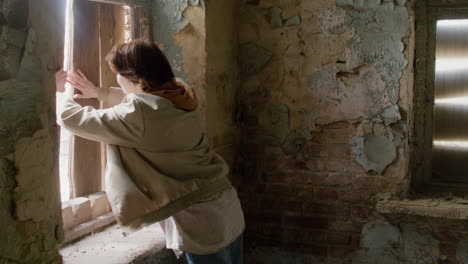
{"x":317,"y":205}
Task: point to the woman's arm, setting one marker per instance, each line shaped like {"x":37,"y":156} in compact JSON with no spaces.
{"x":119,"y":125}
{"x":111,"y":96}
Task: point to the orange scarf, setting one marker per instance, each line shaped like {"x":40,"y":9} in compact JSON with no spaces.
{"x":178,"y":93}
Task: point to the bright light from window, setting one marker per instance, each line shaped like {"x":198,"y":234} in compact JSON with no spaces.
{"x":462,"y":100}
{"x":452,"y":144}
{"x":65,"y":136}
{"x":446,"y":65}
{"x":452,"y":23}
{"x":128,"y":20}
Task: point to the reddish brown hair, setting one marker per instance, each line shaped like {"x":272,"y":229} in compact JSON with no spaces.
{"x":142,"y":62}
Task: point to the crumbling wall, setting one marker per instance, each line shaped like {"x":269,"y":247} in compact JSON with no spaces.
{"x":29,"y":192}
{"x":179,"y":30}
{"x":325,"y":106}
{"x":199,"y":38}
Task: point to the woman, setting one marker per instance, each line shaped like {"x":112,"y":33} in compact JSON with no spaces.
{"x":159,"y":165}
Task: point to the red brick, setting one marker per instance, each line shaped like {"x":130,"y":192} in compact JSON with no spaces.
{"x":363,"y":212}
{"x":326,"y":193}
{"x":248,"y":202}
{"x":317,"y":250}
{"x":339,"y":251}
{"x":339,"y":151}
{"x":315,"y":164}
{"x":449,"y":251}
{"x":339,"y":179}
{"x":316,"y":178}
{"x":283,"y":177}
{"x":306,"y":192}
{"x":362,"y":196}
{"x":346,"y":226}
{"x":280,"y":204}
{"x":310,"y":222}
{"x":335,"y":209}
{"x":332,"y":136}
{"x":263,"y":218}
{"x":274,"y":188}
{"x":343,"y":165}
{"x":303,"y":237}
{"x":339,"y":238}
{"x":336,"y":125}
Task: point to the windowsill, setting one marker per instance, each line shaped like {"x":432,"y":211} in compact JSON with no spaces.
{"x":450,"y":208}
{"x":110,"y":246}
{"x":84,"y":215}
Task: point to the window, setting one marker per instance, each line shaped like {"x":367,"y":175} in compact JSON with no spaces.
{"x":440,"y":141}
{"x":93,"y":27}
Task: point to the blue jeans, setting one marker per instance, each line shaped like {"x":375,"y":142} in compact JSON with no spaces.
{"x":232,"y":254}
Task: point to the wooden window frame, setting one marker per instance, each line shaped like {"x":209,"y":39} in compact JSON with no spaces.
{"x":428,"y":12}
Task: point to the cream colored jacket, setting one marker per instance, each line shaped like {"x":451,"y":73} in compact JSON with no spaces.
{"x":158,"y":158}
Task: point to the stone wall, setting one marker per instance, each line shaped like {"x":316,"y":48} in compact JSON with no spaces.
{"x":29,"y":192}
{"x":326,"y":110}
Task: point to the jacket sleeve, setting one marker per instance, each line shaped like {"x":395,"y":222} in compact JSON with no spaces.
{"x":111,"y":96}
{"x":121,"y":125}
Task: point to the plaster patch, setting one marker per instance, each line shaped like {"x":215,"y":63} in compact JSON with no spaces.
{"x":293,"y":21}
{"x":377,"y":41}
{"x":419,"y":247}
{"x":167,"y":21}
{"x":462,"y":251}
{"x":387,"y":244}
{"x":276,"y":20}
{"x":337,"y":101}
{"x":374,"y":153}
{"x":334,"y":21}
{"x":253,"y":58}
{"x":279,"y":124}
{"x":391,"y":115}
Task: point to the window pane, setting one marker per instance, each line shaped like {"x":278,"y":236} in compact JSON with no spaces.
{"x":450,"y":131}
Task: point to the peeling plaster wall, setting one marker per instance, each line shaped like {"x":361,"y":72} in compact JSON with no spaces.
{"x":199,"y":39}
{"x":29,"y":193}
{"x":179,"y":29}
{"x":325,"y":105}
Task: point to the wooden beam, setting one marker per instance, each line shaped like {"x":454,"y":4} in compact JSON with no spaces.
{"x":124,"y":2}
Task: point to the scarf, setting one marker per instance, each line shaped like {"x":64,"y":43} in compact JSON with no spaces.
{"x":178,"y":93}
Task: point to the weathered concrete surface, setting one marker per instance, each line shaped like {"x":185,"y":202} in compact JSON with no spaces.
{"x":374,"y":153}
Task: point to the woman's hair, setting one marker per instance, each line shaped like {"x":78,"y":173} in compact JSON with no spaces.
{"x":142,"y":62}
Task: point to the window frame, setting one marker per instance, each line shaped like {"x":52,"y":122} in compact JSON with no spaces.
{"x":79,"y":213}
{"x":427,"y":15}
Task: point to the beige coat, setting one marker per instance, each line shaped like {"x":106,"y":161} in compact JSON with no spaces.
{"x":158,"y":158}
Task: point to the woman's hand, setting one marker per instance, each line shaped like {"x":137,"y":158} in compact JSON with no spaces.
{"x":80,"y":82}
{"x":60,"y":80}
